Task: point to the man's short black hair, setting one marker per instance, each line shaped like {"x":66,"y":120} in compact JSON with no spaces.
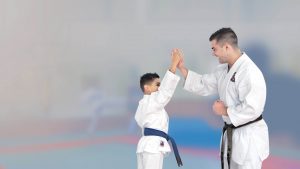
{"x":225,"y":35}
{"x":147,"y":78}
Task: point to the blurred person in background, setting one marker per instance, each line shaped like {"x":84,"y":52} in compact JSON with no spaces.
{"x":93,"y":100}
{"x":132,"y":99}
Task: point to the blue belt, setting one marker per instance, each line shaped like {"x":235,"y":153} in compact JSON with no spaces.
{"x":154,"y":132}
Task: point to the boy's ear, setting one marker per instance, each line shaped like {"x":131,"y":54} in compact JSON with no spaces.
{"x":146,"y":88}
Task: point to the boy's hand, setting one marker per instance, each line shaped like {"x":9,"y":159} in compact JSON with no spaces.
{"x":177,"y":55}
{"x":176,"y":58}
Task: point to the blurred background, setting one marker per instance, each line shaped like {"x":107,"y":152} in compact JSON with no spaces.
{"x":70,"y":72}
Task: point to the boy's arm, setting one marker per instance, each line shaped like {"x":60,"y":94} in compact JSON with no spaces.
{"x":166,"y":90}
{"x":168,"y":84}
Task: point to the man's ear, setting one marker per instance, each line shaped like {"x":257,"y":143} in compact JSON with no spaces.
{"x":227,"y":46}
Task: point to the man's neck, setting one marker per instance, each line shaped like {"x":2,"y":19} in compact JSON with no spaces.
{"x":236,"y":55}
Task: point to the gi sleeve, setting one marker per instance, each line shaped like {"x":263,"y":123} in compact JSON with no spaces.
{"x":201,"y":84}
{"x":166,"y":90}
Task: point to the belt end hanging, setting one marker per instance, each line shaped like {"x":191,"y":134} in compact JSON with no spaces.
{"x":179,"y":162}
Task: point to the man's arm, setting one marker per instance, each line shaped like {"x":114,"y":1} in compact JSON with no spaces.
{"x":252,"y":96}
{"x":184,"y":71}
{"x":196,"y":83}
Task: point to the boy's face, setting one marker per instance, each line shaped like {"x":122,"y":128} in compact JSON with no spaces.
{"x":153,"y":86}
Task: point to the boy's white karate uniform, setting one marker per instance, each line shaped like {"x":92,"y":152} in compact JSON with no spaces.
{"x":151,"y":114}
{"x":245,"y":99}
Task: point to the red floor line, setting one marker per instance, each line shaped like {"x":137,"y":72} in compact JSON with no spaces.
{"x":60,"y":145}
{"x":271,"y":161}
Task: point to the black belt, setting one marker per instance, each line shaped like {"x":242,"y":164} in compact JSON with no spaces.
{"x":154,"y":132}
{"x":229,"y":128}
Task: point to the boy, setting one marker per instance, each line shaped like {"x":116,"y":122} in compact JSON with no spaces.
{"x":153,"y":119}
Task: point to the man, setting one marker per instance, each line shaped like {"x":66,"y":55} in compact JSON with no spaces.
{"x":242,"y":94}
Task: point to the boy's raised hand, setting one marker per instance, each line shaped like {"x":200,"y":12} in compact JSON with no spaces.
{"x":176,"y":58}
{"x":177,"y":55}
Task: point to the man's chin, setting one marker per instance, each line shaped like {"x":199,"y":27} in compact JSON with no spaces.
{"x":221,"y":62}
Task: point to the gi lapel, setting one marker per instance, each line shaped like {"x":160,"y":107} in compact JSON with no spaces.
{"x":231,"y":75}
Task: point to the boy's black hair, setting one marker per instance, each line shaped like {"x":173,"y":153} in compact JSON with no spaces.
{"x":225,"y":35}
{"x":147,"y":78}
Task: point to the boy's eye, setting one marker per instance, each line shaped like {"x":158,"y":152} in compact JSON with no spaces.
{"x":157,"y":84}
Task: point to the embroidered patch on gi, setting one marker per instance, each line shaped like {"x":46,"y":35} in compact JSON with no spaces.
{"x":233,"y":77}
{"x":162,"y":143}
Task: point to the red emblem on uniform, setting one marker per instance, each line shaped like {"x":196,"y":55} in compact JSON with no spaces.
{"x":233,"y":77}
{"x":162,"y":143}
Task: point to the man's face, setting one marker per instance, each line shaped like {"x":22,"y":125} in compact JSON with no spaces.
{"x":219,"y":51}
{"x":153,"y":86}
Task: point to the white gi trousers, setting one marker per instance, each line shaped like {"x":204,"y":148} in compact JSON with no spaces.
{"x":147,"y":160}
{"x":252,"y":160}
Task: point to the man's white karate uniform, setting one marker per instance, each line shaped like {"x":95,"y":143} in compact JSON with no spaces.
{"x":243,"y":91}
{"x":151,"y":114}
